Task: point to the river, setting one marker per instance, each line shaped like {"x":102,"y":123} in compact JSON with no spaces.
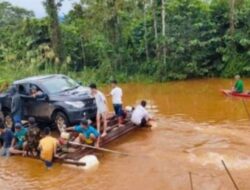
{"x":197,"y":128}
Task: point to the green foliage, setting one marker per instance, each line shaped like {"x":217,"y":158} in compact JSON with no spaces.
{"x":106,"y":39}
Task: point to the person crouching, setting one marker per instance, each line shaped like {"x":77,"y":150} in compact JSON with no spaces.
{"x":140,"y":115}
{"x":87,"y":133}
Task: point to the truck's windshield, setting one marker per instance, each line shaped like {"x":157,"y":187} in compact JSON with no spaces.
{"x":59,"y":84}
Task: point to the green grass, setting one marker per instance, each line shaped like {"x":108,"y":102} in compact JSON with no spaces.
{"x":9,"y":73}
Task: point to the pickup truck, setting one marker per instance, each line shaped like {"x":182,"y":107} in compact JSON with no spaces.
{"x":63,"y":99}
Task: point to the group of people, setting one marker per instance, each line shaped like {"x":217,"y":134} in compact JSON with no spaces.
{"x":30,"y":140}
{"x":140,"y":116}
{"x":90,"y":135}
{"x":27,"y":140}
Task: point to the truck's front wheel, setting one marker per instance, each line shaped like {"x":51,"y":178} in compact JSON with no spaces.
{"x":61,"y":121}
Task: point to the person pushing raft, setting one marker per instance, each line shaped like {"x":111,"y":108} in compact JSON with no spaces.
{"x":6,"y":136}
{"x":33,"y":137}
{"x":48,"y":147}
{"x":19,"y":140}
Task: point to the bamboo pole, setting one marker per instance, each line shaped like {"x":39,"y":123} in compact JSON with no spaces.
{"x":101,"y":149}
{"x":230,"y":176}
{"x":191,"y":181}
{"x":245,"y":106}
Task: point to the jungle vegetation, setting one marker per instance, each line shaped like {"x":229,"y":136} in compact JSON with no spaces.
{"x":145,"y":40}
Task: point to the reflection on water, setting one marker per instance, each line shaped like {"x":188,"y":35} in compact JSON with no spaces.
{"x":197,"y":128}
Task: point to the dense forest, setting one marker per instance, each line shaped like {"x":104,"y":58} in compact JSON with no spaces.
{"x":146,"y":40}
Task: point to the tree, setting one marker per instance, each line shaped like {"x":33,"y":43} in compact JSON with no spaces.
{"x":163,"y":15}
{"x":55,"y":32}
{"x":232,"y":16}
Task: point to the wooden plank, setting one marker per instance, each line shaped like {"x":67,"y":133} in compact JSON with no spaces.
{"x":113,"y":133}
{"x":111,"y":136}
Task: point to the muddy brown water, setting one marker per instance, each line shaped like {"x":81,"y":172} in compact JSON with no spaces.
{"x":197,"y":128}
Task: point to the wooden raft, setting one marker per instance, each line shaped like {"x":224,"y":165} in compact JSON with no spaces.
{"x":113,"y":133}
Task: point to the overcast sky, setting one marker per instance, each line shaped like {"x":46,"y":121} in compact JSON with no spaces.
{"x":37,"y":7}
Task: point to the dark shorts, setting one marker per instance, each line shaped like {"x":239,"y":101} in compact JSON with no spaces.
{"x":17,"y":118}
{"x":143,"y":122}
{"x":118,"y":109}
{"x":48,"y":164}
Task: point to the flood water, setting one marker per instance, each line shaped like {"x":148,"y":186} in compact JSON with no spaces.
{"x":197,"y":128}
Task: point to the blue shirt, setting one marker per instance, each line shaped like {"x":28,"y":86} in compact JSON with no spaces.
{"x":7,"y":138}
{"x":86,"y":131}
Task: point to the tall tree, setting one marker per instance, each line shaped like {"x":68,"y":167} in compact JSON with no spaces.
{"x":163,"y":16}
{"x":57,"y":44}
{"x":155,"y":25}
{"x":232,"y":16}
{"x":145,"y":28}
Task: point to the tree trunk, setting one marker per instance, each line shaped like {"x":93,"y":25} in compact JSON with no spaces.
{"x":232,"y":16}
{"x":145,"y":30}
{"x":163,"y":16}
{"x":154,"y":12}
{"x":83,"y":54}
{"x":55,"y":31}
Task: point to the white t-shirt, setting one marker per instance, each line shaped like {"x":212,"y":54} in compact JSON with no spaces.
{"x":100,"y":102}
{"x":116,"y":94}
{"x":138,"y":114}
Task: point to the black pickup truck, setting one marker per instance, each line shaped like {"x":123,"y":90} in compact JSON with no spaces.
{"x":63,"y":99}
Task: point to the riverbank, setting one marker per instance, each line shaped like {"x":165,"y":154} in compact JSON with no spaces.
{"x":9,"y":73}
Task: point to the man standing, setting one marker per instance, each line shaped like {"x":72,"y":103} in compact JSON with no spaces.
{"x":140,"y":115}
{"x":102,"y":109}
{"x":48,"y":146}
{"x":116,"y":94}
{"x":16,"y":106}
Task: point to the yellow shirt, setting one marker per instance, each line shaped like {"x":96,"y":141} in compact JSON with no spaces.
{"x":48,"y":146}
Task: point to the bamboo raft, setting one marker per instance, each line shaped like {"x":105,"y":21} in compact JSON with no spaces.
{"x":72,"y":153}
{"x":75,"y":152}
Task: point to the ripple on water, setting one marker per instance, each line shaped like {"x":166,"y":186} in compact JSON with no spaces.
{"x":233,"y":161}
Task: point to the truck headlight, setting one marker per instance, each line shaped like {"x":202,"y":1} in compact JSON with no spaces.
{"x":76,"y":104}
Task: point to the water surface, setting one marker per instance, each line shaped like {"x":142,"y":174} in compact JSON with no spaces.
{"x":197,"y":128}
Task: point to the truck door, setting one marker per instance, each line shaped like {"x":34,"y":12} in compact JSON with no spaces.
{"x":36,"y":107}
